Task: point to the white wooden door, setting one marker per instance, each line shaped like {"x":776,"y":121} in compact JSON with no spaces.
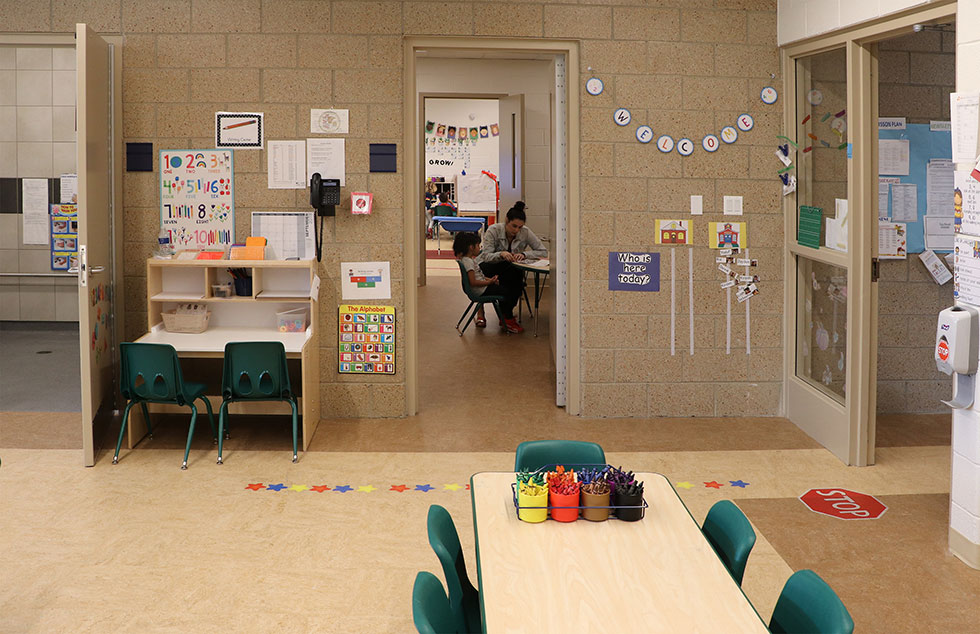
{"x":511,"y":113}
{"x":97,"y":256}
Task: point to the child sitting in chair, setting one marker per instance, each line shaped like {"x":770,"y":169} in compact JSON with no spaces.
{"x":466,"y":246}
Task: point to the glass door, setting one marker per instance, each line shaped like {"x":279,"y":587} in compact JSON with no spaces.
{"x":827,"y":251}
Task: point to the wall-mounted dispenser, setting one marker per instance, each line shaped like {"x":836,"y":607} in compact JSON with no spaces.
{"x":957,"y":351}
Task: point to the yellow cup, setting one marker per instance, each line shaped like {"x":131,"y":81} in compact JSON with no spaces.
{"x":532,"y":515}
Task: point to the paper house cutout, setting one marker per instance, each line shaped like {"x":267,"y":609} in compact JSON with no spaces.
{"x":672,"y":232}
{"x":727,"y":236}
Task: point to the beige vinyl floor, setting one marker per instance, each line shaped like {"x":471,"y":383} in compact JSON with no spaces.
{"x":332,"y":543}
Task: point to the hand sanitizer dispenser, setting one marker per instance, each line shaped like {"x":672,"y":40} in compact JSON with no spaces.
{"x":957,"y":351}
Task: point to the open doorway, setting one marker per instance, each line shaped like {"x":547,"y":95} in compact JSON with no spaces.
{"x":916,"y":73}
{"x":508,"y":109}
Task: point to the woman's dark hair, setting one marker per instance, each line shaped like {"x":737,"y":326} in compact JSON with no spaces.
{"x":443,"y":197}
{"x":463,"y":241}
{"x":517,"y":212}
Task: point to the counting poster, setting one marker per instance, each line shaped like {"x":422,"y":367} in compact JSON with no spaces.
{"x":197,"y":198}
{"x":367,"y":339}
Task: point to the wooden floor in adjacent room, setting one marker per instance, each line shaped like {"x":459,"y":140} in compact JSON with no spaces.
{"x":143,"y":546}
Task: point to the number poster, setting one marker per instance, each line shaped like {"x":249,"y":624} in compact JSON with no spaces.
{"x":367,"y":339}
{"x":197,"y":198}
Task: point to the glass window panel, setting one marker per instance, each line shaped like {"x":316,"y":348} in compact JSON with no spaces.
{"x":822,"y":327}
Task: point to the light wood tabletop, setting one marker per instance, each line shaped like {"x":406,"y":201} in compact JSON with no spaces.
{"x":655,"y":575}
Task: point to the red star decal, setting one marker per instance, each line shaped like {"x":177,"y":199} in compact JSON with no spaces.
{"x":255,"y":487}
{"x":712,"y":485}
{"x":467,"y":487}
{"x":320,"y":488}
{"x":401,"y":488}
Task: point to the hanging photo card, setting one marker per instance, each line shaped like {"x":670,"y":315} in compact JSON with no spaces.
{"x":727,"y":235}
{"x":966,"y":269}
{"x":672,"y":232}
{"x":366,"y":339}
{"x":197,"y":198}
{"x":240,"y":130}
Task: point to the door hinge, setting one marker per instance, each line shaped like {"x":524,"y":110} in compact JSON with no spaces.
{"x":874,"y":269}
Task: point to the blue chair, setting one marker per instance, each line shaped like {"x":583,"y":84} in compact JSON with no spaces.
{"x":151,"y":374}
{"x":475,"y":301}
{"x":534,"y":454}
{"x":729,"y":532}
{"x":807,"y":604}
{"x":255,"y":371}
{"x":430,"y":607}
{"x":464,"y":599}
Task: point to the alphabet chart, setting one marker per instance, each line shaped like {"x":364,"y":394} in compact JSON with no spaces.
{"x":367,"y":339}
{"x":197,"y":197}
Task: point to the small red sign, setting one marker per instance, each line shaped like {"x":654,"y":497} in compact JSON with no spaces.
{"x":843,"y":504}
{"x":943,"y":350}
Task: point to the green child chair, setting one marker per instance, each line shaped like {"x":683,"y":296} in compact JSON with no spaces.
{"x":729,"y":532}
{"x":464,"y":599}
{"x":151,"y":374}
{"x":430,"y":607}
{"x":808,"y":604}
{"x":534,"y":454}
{"x":254,"y":371}
{"x":476,"y":301}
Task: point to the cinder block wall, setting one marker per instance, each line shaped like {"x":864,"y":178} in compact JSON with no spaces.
{"x":917,"y":73}
{"x":685,"y":67}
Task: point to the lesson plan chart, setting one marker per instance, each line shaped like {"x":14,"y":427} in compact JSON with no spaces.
{"x":367,"y":339}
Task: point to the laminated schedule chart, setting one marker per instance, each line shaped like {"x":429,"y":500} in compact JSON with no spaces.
{"x":966,"y":277}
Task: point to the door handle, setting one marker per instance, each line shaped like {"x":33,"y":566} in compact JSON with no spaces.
{"x":95,"y":269}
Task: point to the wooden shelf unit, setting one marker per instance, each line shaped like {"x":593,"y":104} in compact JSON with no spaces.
{"x":277,"y":286}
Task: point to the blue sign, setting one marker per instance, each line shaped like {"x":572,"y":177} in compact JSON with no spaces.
{"x":634,"y":271}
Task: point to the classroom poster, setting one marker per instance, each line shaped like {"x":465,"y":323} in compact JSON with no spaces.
{"x":966,"y":269}
{"x":727,"y":235}
{"x":634,"y":271}
{"x":365,"y":280}
{"x":197,"y":198}
{"x":367,"y":339}
{"x":966,"y":204}
{"x":63,"y":221}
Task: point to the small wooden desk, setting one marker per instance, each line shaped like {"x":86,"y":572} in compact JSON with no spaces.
{"x":656,"y":575}
{"x":539,"y":268}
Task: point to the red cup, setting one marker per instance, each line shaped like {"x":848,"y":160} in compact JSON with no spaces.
{"x":563,"y":514}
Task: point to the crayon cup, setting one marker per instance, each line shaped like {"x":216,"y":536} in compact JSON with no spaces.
{"x":564,"y":514}
{"x":533,"y":515}
{"x":243,"y":286}
{"x":633,"y":504}
{"x":592,"y":500}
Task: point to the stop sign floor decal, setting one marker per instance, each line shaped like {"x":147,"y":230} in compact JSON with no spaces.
{"x":843,"y":504}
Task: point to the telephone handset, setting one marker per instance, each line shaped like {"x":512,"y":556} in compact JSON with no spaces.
{"x":324,"y":196}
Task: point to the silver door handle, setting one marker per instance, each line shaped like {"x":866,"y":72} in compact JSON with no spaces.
{"x":74,"y":270}
{"x":96,"y":269}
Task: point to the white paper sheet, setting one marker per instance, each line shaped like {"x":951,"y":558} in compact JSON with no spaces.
{"x":365,"y":280}
{"x":893,"y":157}
{"x":939,"y":187}
{"x":289,"y":233}
{"x":35,"y":205}
{"x":883,"y":193}
{"x":329,"y":121}
{"x":964,"y":109}
{"x":697,"y":205}
{"x":326,"y":156}
{"x":935,"y":266}
{"x":966,"y":219}
{"x":287,"y":164}
{"x":938,"y":232}
{"x":69,"y":188}
{"x":966,"y":269}
{"x":905,"y":201}
{"x":892,"y":240}
{"x":733,"y":205}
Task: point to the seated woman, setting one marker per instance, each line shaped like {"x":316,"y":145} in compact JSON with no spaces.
{"x":506,"y":242}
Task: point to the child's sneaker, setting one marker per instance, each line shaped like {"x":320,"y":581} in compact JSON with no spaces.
{"x":511,"y":325}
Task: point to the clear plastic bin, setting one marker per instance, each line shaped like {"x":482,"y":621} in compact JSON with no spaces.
{"x":222,"y":290}
{"x":292,"y":320}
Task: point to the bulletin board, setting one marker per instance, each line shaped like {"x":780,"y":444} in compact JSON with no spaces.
{"x":197,"y":198}
{"x":924,"y":145}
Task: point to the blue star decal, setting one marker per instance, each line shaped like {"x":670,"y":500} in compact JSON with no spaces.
{"x":276,"y":487}
{"x":738,"y":483}
{"x":424,"y":488}
{"x":343,"y":489}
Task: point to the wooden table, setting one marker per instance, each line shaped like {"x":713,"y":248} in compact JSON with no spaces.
{"x":655,"y":575}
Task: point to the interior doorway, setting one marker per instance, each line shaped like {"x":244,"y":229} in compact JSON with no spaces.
{"x":526,"y":90}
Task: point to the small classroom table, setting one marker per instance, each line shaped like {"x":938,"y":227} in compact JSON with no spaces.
{"x":540,"y":269}
{"x":656,"y":575}
{"x":455,"y":223}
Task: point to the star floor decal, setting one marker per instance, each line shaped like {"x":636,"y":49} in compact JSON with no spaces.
{"x":343,"y":489}
{"x":713,"y":485}
{"x":424,"y":488}
{"x":739,"y":483}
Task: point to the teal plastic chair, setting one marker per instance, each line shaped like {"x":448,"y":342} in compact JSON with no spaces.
{"x":534,"y":454}
{"x":476,"y":301}
{"x":254,"y":371}
{"x":464,"y":599}
{"x":151,"y":374}
{"x":430,"y":607}
{"x":729,"y":532}
{"x":807,"y":604}
{"x":443,"y":210}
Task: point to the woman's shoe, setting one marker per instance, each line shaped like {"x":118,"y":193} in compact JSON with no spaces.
{"x":512,"y":326}
{"x":481,"y":322}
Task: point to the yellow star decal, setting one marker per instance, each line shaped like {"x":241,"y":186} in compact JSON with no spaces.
{"x":298,"y":487}
{"x":685,"y":485}
{"x":367,"y":489}
{"x":452,"y":487}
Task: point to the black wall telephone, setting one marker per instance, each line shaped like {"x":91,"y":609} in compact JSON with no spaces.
{"x":324,"y":196}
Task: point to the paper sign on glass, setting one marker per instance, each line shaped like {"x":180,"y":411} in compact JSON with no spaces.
{"x":672,"y":232}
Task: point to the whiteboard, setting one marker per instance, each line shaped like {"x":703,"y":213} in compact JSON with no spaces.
{"x":476,"y":193}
